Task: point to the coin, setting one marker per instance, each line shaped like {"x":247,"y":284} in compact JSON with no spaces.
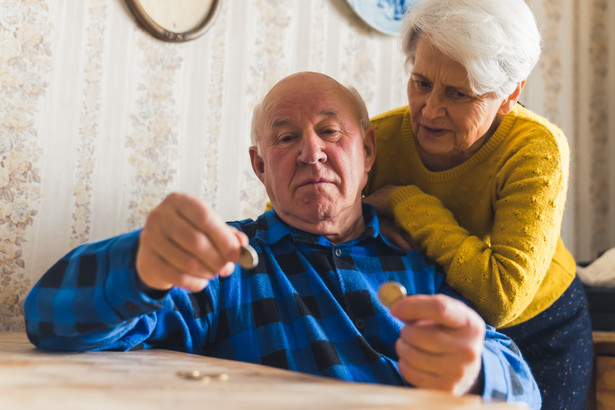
{"x":248,"y":258}
{"x":390,"y":293}
{"x":199,"y":376}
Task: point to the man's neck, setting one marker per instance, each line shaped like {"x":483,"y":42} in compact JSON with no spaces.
{"x":338,"y":229}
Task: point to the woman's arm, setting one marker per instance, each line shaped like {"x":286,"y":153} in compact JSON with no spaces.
{"x":500,"y":274}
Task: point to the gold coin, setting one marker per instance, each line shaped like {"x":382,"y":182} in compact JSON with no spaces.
{"x":390,"y":293}
{"x":199,"y":376}
{"x":248,"y":258}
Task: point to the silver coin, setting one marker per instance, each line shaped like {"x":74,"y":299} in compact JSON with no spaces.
{"x":248,"y":258}
{"x":390,"y":293}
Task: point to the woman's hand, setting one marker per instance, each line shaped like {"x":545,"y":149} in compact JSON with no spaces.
{"x":378,"y":199}
{"x":395,"y":234}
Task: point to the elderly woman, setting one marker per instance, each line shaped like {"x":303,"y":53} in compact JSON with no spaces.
{"x":478,"y":182}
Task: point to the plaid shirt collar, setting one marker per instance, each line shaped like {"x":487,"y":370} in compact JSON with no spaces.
{"x":271,"y":229}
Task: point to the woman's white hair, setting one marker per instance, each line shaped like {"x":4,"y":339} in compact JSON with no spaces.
{"x":355,"y":98}
{"x":497,"y":41}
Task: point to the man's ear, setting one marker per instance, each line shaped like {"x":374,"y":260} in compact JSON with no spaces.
{"x":511,"y":100}
{"x":369,"y":145}
{"x":258,"y":165}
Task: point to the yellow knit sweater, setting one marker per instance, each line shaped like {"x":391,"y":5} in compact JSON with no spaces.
{"x":492,"y":222}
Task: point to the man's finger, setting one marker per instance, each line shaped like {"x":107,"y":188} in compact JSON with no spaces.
{"x":157,"y":273}
{"x":427,"y":335}
{"x":182,"y":259}
{"x":424,"y":380}
{"x":202,"y":216}
{"x":441,"y":309}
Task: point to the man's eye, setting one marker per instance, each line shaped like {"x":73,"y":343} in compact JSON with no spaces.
{"x":330,"y":133}
{"x":286,"y":138}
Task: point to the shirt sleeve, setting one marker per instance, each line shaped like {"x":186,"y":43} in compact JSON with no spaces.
{"x":506,"y":376}
{"x":91,"y":300}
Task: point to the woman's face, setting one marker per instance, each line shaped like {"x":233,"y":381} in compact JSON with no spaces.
{"x":449,"y":121}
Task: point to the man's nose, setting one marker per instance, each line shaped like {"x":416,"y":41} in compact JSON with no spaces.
{"x":434,"y":106}
{"x":311,"y":149}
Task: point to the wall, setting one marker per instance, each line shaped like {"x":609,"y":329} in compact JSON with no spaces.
{"x":574,"y":86}
{"x":99,"y":121}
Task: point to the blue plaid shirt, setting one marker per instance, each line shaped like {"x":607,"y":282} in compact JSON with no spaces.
{"x":308,"y":306}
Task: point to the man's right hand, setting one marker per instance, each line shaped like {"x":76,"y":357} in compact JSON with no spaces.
{"x":185,"y":243}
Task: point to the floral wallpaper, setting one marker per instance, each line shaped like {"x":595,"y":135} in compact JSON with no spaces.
{"x":88,"y":122}
{"x":24,"y":50}
{"x":153,"y":141}
{"x":269,"y":62}
{"x":213,"y":116}
{"x":598,"y":118}
{"x":99,"y":121}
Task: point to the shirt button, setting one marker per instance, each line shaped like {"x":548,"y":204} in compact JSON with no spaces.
{"x":131,"y":307}
{"x":360,"y":324}
{"x":338,"y":252}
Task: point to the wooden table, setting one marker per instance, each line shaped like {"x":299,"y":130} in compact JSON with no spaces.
{"x":33,"y":379}
{"x":602,"y":392}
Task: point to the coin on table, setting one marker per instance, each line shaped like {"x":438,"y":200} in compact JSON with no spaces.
{"x":248,"y":258}
{"x":199,"y":376}
{"x":390,"y":293}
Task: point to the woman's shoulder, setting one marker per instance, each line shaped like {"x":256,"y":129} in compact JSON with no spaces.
{"x":391,"y":116}
{"x":534,"y":131}
{"x":534,"y":141}
{"x":390,"y":123}
{"x":533,"y":123}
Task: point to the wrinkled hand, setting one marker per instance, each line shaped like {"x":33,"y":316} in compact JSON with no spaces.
{"x":185,"y":243}
{"x":440,"y":346}
{"x":396,"y":235}
{"x":378,"y":199}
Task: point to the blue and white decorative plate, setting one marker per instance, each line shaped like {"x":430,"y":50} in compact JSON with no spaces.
{"x":383,"y":15}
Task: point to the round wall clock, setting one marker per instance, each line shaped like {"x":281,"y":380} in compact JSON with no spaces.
{"x":175,"y":20}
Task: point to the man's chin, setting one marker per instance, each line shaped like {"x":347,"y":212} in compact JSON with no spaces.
{"x":308,"y":211}
{"x":311,"y":211}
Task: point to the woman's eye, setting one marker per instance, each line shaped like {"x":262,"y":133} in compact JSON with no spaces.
{"x":422,"y":84}
{"x":459,"y":94}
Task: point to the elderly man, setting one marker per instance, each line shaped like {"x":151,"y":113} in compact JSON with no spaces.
{"x":311,"y":304}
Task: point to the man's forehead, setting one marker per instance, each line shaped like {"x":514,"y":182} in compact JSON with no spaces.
{"x":282,"y":118}
{"x":287,"y":105}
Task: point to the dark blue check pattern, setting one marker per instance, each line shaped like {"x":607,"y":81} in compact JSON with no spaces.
{"x":308,"y":306}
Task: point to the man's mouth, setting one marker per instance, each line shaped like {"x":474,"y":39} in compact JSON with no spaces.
{"x":314,"y":181}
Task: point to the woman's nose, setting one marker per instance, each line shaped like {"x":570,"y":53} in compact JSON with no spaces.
{"x":434,"y":106}
{"x":311,"y":149}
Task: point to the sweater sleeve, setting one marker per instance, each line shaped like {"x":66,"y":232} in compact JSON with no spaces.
{"x":501,"y":274}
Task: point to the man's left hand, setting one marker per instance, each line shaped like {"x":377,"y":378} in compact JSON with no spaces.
{"x":441,"y":344}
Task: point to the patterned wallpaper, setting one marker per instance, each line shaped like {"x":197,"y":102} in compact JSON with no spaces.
{"x":25,"y":64}
{"x":99,"y":120}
